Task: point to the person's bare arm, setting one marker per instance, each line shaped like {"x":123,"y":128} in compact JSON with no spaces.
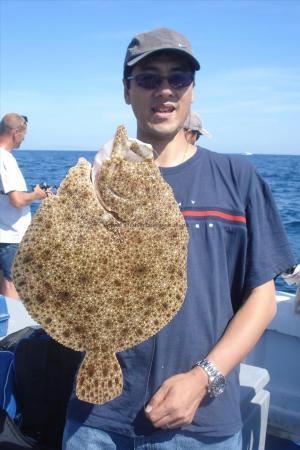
{"x":20,"y":199}
{"x":245,"y":328}
{"x":176,"y":401}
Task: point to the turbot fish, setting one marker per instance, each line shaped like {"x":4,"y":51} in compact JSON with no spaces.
{"x":102,"y":266}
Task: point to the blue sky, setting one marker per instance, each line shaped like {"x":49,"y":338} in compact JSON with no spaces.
{"x":61,"y":65}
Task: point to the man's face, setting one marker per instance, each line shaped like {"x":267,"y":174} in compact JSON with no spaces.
{"x":19,"y":136}
{"x":191,"y":136}
{"x":160,"y":112}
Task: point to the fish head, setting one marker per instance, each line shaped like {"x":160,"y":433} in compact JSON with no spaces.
{"x":122,"y":174}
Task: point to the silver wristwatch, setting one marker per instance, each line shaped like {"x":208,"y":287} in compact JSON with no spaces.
{"x":216,"y":381}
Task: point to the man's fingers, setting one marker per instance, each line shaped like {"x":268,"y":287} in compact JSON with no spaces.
{"x":156,"y":400}
{"x":169,"y":422}
{"x":164,"y":422}
{"x":176,"y":402}
{"x":49,"y":192}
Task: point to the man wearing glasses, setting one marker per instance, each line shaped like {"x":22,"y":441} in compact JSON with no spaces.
{"x":181,"y":387}
{"x":15,"y":213}
{"x":193,"y":128}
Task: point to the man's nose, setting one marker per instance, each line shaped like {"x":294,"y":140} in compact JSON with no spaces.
{"x":164,"y":89}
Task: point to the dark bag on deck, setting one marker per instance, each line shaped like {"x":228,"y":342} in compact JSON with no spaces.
{"x":7,"y":382}
{"x":11,"y":437}
{"x":44,"y":375}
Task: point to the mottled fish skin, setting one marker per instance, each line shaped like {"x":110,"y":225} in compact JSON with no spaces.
{"x":104,"y":269}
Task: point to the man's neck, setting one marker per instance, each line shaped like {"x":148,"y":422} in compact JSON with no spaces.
{"x":6,"y":145}
{"x":171,"y":152}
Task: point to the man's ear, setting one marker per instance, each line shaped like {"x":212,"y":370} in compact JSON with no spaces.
{"x":14,"y":133}
{"x":126,"y":92}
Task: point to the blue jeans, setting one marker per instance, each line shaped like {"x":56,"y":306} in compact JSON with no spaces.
{"x":7,"y":255}
{"x":79,"y":437}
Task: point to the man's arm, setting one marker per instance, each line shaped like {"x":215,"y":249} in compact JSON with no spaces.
{"x":20,"y":199}
{"x":176,"y":401}
{"x":245,"y":328}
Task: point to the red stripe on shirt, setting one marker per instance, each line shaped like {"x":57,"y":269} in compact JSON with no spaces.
{"x":213,"y":213}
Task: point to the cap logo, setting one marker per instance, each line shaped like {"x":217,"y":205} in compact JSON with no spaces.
{"x":181,"y":45}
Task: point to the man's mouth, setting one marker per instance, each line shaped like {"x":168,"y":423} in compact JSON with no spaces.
{"x":163,"y":109}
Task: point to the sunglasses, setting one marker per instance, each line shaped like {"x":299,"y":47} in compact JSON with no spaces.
{"x":153,"y":81}
{"x":25,"y":119}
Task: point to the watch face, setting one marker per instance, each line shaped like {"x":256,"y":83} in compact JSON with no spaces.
{"x":217,"y":385}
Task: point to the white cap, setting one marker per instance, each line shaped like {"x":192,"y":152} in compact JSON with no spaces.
{"x":194,"y":123}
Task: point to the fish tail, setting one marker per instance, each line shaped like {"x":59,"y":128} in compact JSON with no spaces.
{"x":99,"y":378}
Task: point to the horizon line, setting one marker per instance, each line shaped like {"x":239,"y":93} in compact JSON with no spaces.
{"x":95,"y":151}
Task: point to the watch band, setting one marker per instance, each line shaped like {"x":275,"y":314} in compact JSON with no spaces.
{"x":216,"y":380}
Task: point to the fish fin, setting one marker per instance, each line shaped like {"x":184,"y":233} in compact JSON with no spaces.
{"x":120,"y":141}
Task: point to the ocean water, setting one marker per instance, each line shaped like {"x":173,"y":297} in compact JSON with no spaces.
{"x":282,"y":173}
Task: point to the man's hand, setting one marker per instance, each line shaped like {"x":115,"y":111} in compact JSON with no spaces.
{"x":176,"y":401}
{"x":40,"y":193}
{"x":20,"y":199}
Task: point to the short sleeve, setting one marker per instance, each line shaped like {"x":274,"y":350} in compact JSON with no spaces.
{"x":11,"y":178}
{"x":268,"y":251}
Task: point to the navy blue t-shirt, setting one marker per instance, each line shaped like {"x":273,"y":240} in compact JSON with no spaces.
{"x":236,"y":242}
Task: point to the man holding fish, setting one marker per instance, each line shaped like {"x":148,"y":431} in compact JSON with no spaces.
{"x":181,"y":387}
